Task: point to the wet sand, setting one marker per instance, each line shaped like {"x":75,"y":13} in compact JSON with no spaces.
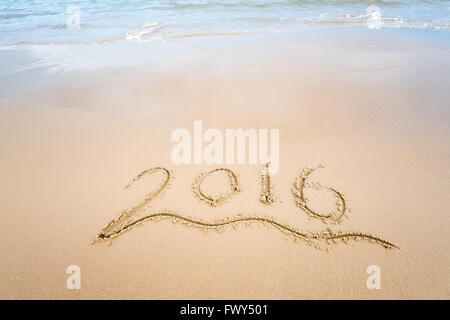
{"x":370,"y":106}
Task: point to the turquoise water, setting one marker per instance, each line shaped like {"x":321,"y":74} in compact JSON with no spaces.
{"x":24,"y":22}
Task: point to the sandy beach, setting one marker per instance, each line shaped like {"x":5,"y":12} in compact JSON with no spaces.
{"x":371,"y":106}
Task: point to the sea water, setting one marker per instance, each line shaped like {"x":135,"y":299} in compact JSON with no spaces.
{"x":51,"y":22}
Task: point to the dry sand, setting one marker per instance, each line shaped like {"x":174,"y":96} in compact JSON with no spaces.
{"x":372,"y":107}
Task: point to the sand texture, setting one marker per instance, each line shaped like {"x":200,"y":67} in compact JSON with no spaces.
{"x":79,"y":150}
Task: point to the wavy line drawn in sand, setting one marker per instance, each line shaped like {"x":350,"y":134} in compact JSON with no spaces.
{"x":301,"y":201}
{"x":314,"y":239}
{"x":222,"y":198}
{"x":124,"y":222}
{"x":266,"y":196}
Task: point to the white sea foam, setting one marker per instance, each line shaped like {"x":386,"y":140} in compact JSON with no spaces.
{"x":142,"y":21}
{"x":147,"y":28}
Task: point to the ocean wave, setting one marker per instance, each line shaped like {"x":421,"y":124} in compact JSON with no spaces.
{"x":162,"y":20}
{"x":145,"y":36}
{"x":273,"y":4}
{"x":148,"y":28}
{"x":292,"y":3}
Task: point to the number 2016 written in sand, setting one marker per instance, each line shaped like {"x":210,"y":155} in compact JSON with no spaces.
{"x":128,"y":219}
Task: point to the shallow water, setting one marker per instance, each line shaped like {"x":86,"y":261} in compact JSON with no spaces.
{"x":25,"y":22}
